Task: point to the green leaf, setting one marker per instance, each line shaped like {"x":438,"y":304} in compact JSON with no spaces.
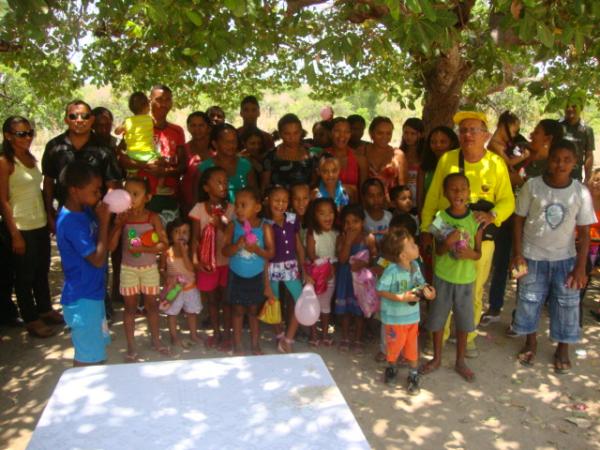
{"x":428,"y":10}
{"x":545,"y":35}
{"x":237,"y":7}
{"x":194,"y":17}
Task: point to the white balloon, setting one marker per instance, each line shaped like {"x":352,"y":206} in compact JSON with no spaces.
{"x":308,"y":308}
{"x":118,"y":200}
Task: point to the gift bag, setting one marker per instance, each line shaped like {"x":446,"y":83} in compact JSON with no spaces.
{"x":206,"y":250}
{"x":307,"y":308}
{"x":363,"y":283}
{"x":320,"y":272}
{"x":271,"y":312}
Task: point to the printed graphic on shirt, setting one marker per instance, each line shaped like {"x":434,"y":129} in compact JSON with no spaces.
{"x":555,"y":215}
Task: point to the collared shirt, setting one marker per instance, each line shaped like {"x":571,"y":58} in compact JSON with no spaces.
{"x":60,"y":151}
{"x":583,"y":138}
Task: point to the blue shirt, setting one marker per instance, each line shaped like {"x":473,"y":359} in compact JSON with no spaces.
{"x":77,"y":237}
{"x":397,"y":280}
{"x":244,"y":263}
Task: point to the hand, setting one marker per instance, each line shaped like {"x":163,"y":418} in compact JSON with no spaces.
{"x":358,"y":265}
{"x":268,"y":292}
{"x":465,"y":253}
{"x":519,"y":266}
{"x":429,"y":292}
{"x":350,"y":236}
{"x":376,"y":270}
{"x":121,"y":218}
{"x":18,"y":244}
{"x":409,"y":296}
{"x":577,"y":279}
{"x":484,"y":218}
{"x":452,"y":239}
{"x":308,"y":279}
{"x":102,"y":213}
{"x":241,"y":243}
{"x":252,"y":248}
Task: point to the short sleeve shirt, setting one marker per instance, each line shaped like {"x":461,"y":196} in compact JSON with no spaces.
{"x":200,"y":214}
{"x":235,"y":182}
{"x":77,"y":237}
{"x":60,"y":151}
{"x":397,"y":280}
{"x":139,"y":137}
{"x":378,"y":227}
{"x":551,"y":215}
{"x":582,"y":136}
{"x":285,"y":237}
{"x":168,"y":140}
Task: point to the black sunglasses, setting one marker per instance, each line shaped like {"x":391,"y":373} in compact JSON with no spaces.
{"x":22,"y":134}
{"x":85,"y":116}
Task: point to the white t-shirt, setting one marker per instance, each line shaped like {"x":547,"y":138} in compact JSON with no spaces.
{"x":551,"y":216}
{"x":378,"y":227}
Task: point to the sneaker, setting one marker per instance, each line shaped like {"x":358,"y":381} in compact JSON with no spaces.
{"x":511,"y":333}
{"x":390,"y":375}
{"x":472,"y":351}
{"x":413,"y":387}
{"x":489,"y":317}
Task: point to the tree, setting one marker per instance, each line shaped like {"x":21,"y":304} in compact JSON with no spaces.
{"x":443,"y":50}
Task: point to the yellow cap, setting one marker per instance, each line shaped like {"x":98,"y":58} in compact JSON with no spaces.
{"x":464,"y":115}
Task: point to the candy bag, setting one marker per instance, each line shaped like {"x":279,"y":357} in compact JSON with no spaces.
{"x":363,"y":283}
{"x":271,"y":312}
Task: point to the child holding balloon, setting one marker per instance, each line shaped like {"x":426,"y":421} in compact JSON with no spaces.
{"x":143,"y":237}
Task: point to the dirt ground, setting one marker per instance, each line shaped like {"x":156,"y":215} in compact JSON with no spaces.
{"x":507,"y":407}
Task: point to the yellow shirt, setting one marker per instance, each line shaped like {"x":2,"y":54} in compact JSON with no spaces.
{"x":139,"y":137}
{"x":25,"y":197}
{"x":488,"y":180}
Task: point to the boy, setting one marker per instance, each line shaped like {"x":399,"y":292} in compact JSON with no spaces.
{"x":399,"y":308}
{"x":457,"y":247}
{"x":550,"y":208}
{"x":82,"y":238}
{"x":402,"y":202}
{"x":250,"y":112}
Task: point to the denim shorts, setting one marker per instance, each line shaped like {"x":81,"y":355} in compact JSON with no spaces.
{"x":89,"y":330}
{"x":547,"y":280}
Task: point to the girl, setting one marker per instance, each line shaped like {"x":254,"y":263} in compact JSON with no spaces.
{"x":288,"y":261}
{"x":253,"y":148}
{"x":353,"y":239}
{"x":289,"y":162}
{"x":377,"y":218}
{"x":330,"y":185}
{"x":197,"y":149}
{"x":224,"y":140}
{"x":385,"y":162}
{"x":353,"y":169}
{"x":178,"y":267}
{"x":413,"y":130}
{"x":248,"y":250}
{"x":549,"y":210}
{"x":211,"y":281}
{"x":300,"y":198}
{"x":321,"y":248}
{"x":503,"y":141}
{"x":593,"y":260}
{"x":24,"y":222}
{"x":139,"y":268}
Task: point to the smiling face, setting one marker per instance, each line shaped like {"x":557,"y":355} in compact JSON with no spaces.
{"x":138,"y":194}
{"x":540,"y":141}
{"x":227,"y":143}
{"x":278,"y":203}
{"x":382,"y":134}
{"x":457,"y":192}
{"x":198,"y":127}
{"x":161,"y":102}
{"x":79,"y":119}
{"x":329,"y":170}
{"x":20,"y":136}
{"x":572,"y":114}
{"x":340,"y":134}
{"x":300,"y":199}
{"x":325,"y":216}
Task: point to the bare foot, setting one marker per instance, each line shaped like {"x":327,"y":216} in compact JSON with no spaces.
{"x":464,"y":372}
{"x":161,"y":348}
{"x":430,"y":366}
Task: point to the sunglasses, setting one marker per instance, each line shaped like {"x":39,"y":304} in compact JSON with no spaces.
{"x":85,"y":116}
{"x":22,"y":134}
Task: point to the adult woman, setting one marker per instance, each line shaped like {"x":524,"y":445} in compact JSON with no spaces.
{"x":385,"y":162}
{"x":25,"y":220}
{"x":197,"y":149}
{"x":440,"y":140}
{"x":413,"y":130}
{"x":288,"y":163}
{"x":224,"y":139}
{"x":353,"y":168}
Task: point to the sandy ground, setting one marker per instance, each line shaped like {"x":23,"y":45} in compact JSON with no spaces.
{"x":507,"y":407}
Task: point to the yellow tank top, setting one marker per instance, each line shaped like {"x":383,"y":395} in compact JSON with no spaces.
{"x":139,"y":137}
{"x":25,"y":197}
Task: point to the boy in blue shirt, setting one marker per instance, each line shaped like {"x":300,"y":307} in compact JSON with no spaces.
{"x":399,"y":304}
{"x":82,"y":238}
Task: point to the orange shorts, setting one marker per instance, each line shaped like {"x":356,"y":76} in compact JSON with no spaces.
{"x":402,"y":339}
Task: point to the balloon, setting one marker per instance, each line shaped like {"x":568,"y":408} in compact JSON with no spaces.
{"x":327,"y":113}
{"x":307,"y":308}
{"x":118,"y":200}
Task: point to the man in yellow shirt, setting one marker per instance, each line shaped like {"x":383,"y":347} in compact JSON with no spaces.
{"x":492,"y":199}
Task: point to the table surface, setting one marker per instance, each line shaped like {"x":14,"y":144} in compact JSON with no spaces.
{"x":256,"y":402}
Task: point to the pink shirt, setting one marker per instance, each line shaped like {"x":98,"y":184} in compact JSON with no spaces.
{"x":200,"y":214}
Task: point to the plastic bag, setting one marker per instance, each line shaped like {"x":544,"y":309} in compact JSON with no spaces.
{"x":207,"y":248}
{"x":320,"y":272}
{"x":271,"y":312}
{"x":307,"y":308}
{"x":363,"y":283}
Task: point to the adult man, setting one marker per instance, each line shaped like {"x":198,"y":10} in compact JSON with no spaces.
{"x":250,"y":112}
{"x":581,"y":134}
{"x":491,"y":197}
{"x":357,"y":128}
{"x":171,"y":140}
{"x":77,"y":143}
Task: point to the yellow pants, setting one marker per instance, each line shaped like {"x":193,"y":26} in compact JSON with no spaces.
{"x":483,"y":266}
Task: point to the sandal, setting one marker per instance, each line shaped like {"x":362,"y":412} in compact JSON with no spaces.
{"x":429,"y":367}
{"x":526,"y":358}
{"x":344,"y":345}
{"x":561,"y":367}
{"x":285,"y":345}
{"x":39,"y":329}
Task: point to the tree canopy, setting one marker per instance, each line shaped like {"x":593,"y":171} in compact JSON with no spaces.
{"x":444,"y":50}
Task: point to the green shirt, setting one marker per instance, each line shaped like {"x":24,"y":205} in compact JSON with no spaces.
{"x":446,"y":266}
{"x":397,"y":280}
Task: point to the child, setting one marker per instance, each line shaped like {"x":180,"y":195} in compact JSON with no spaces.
{"x":142,"y":237}
{"x":377,"y":218}
{"x":254,"y":149}
{"x":82,"y":238}
{"x":300,"y":198}
{"x":506,"y":140}
{"x":211,"y":281}
{"x":550,"y":208}
{"x":139,"y":136}
{"x":320,"y":248}
{"x":354,"y":238}
{"x":399,"y":310}
{"x":413,"y":132}
{"x":593,"y":260}
{"x":178,"y":267}
{"x":457,"y":247}
{"x":330,"y":185}
{"x":288,"y":262}
{"x":248,"y":252}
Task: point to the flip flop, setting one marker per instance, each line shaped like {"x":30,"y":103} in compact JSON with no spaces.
{"x":526,"y":358}
{"x":466,"y":373}
{"x":561,"y":367}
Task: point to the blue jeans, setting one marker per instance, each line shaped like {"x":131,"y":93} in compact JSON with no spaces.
{"x":547,"y":279}
{"x":501,"y":264}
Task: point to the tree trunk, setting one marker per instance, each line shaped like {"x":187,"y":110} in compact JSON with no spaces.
{"x":443,"y":87}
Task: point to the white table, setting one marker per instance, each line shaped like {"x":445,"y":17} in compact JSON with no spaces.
{"x":258,"y":402}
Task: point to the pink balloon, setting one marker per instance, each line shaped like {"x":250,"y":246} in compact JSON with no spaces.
{"x":118,"y":200}
{"x":327,"y":113}
{"x":307,"y":308}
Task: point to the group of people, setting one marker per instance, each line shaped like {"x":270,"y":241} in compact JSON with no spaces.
{"x":234,"y":220}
